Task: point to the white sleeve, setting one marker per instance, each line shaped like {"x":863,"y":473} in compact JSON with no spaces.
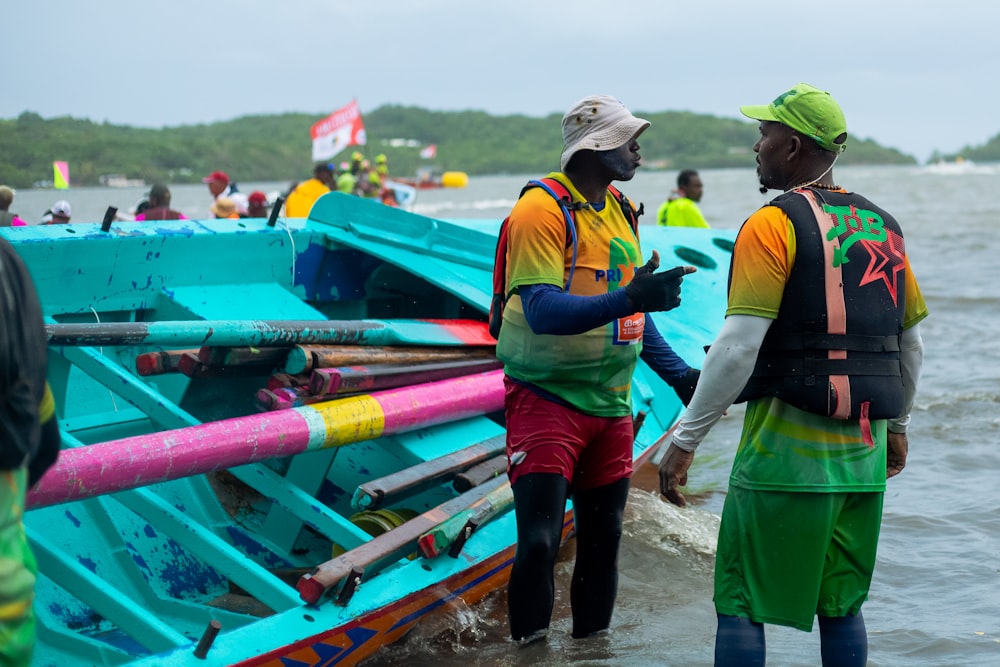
{"x":728,"y":366}
{"x":911,"y":357}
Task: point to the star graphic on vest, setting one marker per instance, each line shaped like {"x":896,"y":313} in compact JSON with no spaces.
{"x":887,"y":260}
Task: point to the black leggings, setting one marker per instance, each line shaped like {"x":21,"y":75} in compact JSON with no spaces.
{"x":540,"y":505}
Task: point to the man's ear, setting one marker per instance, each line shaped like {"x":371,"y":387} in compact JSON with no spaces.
{"x":795,"y":146}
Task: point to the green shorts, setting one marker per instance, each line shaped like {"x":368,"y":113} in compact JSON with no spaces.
{"x":784,"y":557}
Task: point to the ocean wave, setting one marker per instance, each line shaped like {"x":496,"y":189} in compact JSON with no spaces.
{"x":658,"y":524}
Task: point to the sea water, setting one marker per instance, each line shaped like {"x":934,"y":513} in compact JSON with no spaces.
{"x":935,"y":598}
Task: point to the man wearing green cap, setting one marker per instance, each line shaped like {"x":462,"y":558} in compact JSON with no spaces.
{"x":821,"y":339}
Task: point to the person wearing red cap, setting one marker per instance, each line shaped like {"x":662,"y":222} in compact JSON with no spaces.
{"x":257,"y":205}
{"x":220,"y":186}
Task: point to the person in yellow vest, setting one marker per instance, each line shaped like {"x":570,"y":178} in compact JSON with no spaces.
{"x":682,"y":210}
{"x":300,"y":200}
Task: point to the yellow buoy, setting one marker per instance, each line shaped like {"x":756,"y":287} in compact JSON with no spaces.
{"x":454,"y":179}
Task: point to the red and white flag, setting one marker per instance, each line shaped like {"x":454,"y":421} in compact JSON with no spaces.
{"x":428,"y":152}
{"x":337,"y":131}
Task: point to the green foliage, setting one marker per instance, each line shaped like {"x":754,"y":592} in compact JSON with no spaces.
{"x":277,"y":147}
{"x":988,"y":152}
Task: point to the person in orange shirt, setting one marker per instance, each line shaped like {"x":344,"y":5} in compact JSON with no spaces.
{"x":224,"y":207}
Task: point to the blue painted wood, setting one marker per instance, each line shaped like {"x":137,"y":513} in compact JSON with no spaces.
{"x":112,"y":604}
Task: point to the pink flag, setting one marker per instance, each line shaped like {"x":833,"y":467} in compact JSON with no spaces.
{"x":337,"y":131}
{"x":429,"y":152}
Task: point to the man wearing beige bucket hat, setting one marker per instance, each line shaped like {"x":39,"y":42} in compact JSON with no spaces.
{"x":572,"y":329}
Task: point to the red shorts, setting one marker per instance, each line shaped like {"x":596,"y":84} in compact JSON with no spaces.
{"x":588,"y":451}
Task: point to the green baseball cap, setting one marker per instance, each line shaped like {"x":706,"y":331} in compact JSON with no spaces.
{"x":808,"y":110}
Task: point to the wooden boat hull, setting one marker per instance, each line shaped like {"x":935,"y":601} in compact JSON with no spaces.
{"x":165,"y":533}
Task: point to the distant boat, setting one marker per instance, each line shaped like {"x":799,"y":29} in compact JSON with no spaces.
{"x":120,"y":181}
{"x":958,"y":166}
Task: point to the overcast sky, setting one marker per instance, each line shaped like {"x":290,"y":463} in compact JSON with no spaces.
{"x":913,"y":78}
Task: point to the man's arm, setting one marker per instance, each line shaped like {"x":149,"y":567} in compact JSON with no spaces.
{"x":48,"y":447}
{"x":549,"y":310}
{"x":911,"y":357}
{"x":727,"y":368}
{"x":666,"y":363}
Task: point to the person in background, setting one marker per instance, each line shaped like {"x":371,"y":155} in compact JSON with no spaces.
{"x":569,"y":356}
{"x":346,"y":182}
{"x":382,"y":166}
{"x":58,"y":214}
{"x":219,"y":185}
{"x":29,"y":445}
{"x":357,"y":161}
{"x":300,"y":200}
{"x":682,"y":210}
{"x":8,"y":219}
{"x":224,"y":208}
{"x":257,"y":206}
{"x":158,"y":207}
{"x":821,"y":338}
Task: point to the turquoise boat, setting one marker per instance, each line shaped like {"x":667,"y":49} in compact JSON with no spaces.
{"x":283,"y":440}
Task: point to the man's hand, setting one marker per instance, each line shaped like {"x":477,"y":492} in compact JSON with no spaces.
{"x":674,"y":473}
{"x":896,"y":449}
{"x":650,"y":292}
{"x":685,"y":385}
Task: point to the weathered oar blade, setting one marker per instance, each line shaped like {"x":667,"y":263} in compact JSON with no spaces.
{"x":222,"y":355}
{"x":480,"y":472}
{"x":158,"y":363}
{"x":455,"y":530}
{"x":156,"y":457}
{"x":273,"y":333}
{"x":387,"y":490}
{"x":302,"y":358}
{"x":367,"y":559}
{"x":350,"y":379}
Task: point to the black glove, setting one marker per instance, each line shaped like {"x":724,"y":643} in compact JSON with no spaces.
{"x":652,"y":292}
{"x":684,"y":386}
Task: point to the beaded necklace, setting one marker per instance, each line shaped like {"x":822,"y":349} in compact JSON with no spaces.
{"x":818,"y":185}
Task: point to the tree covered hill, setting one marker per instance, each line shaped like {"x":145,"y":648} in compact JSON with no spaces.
{"x":278,"y":148}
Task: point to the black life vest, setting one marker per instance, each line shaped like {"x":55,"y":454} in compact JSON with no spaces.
{"x":834,"y":348}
